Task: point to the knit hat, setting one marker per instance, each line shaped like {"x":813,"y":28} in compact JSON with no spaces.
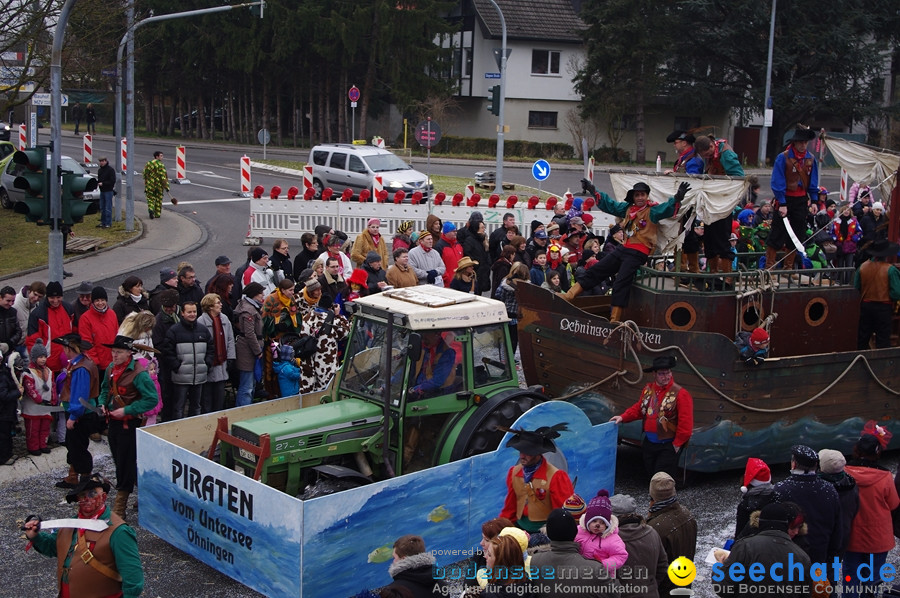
{"x":575,"y":506}
{"x":587,"y":219}
{"x":359,"y":276}
{"x":804,"y":455}
{"x":422,"y":235}
{"x":313,"y":284}
{"x":831,"y":461}
{"x":167,"y":274}
{"x":404,"y":227}
{"x":130,"y":282}
{"x":878,"y":206}
{"x":372,"y":257}
{"x":774,"y":516}
{"x":623,"y":504}
{"x":561,"y":527}
{"x":373,"y":222}
{"x":84,"y":288}
{"x":38,"y":350}
{"x":758,"y":337}
{"x":537,"y":539}
{"x":449,"y":227}
{"x":518,"y":534}
{"x":577,"y":203}
{"x":756,"y":472}
{"x":476,"y":216}
{"x":286,"y":353}
{"x":99,"y":293}
{"x":662,"y":486}
{"x":576,"y":221}
{"x":599,"y":508}
{"x":54,"y":289}
{"x":257,"y":254}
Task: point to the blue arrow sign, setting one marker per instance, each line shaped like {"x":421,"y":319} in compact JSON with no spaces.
{"x":540,"y":170}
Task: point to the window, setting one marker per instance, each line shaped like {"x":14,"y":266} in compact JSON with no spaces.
{"x":320,"y":157}
{"x":356,"y":165}
{"x":338,"y":160}
{"x":544,"y":62}
{"x":541,"y":120}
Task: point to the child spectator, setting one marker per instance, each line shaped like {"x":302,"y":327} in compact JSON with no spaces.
{"x":287,"y":371}
{"x":598,"y":534}
{"x":39,"y":400}
{"x":551,"y":281}
{"x":357,"y":285}
{"x":539,"y":267}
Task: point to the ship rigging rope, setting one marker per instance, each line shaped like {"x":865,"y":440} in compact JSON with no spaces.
{"x":634,"y":329}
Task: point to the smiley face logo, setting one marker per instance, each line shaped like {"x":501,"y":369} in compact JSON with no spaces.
{"x":682,"y":571}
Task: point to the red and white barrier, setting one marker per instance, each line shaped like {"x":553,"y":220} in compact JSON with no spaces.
{"x":124,"y":155}
{"x":180,"y":172}
{"x":88,"y":149}
{"x":250,"y":239}
{"x":23,"y":138}
{"x":245,"y":176}
{"x":377,"y":186}
{"x":307,"y":177}
{"x":844,"y":189}
{"x":470,"y":191}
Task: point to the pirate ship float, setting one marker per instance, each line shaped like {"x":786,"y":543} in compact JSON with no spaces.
{"x":814,"y":387}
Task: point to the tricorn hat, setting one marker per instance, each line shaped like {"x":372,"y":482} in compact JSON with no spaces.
{"x":121,"y":342}
{"x":683,"y":135}
{"x":883,"y":248}
{"x":629,"y":197}
{"x":803,"y":134}
{"x":95,"y":480}
{"x":538,"y":442}
{"x":73,"y":341}
{"x":664,"y":362}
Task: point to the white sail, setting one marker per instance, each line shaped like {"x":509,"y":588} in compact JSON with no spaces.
{"x":865,"y":164}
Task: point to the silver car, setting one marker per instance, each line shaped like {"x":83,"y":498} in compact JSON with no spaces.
{"x":342,"y":166}
{"x":9,"y":195}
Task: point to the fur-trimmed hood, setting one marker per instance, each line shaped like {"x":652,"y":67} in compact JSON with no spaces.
{"x":409,"y":563}
{"x":754,"y":522}
{"x":123,"y":293}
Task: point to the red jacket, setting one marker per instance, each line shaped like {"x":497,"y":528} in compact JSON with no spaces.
{"x":560,"y":490}
{"x":97,"y":328}
{"x":684,"y":407}
{"x":871,"y":529}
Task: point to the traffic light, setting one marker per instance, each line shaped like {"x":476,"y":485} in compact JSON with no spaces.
{"x":34,"y":180}
{"x":494,"y":100}
{"x":74,"y":207}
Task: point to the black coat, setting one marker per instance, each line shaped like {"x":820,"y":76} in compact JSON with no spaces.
{"x":473,"y":247}
{"x":767,"y":547}
{"x":416,"y":574}
{"x":822,"y":508}
{"x":283,"y":263}
{"x":106,"y":178}
{"x":754,"y":500}
{"x":9,"y":394}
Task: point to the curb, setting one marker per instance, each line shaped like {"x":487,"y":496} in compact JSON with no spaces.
{"x":54,"y":462}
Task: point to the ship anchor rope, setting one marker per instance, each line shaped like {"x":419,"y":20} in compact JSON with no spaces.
{"x":634,"y":329}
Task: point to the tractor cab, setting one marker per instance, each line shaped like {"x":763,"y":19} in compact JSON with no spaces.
{"x":428,"y":374}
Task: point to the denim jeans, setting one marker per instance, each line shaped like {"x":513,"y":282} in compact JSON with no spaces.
{"x":246,"y":385}
{"x":106,"y":201}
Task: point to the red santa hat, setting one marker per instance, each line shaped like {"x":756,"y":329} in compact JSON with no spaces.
{"x":756,"y":472}
{"x":758,"y":337}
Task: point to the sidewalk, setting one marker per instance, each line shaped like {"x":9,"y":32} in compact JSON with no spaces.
{"x":172,"y":235}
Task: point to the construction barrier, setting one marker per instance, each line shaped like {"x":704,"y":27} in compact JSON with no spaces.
{"x":23,"y":138}
{"x":245,"y":176}
{"x":88,"y":150}
{"x":124,"y":155}
{"x":180,"y":173}
{"x":307,"y":178}
{"x":844,"y":177}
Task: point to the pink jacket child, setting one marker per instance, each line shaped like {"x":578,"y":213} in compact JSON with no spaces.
{"x":598,"y":535}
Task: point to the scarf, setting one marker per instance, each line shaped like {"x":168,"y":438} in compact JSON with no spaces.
{"x":219,"y":337}
{"x":528,"y":471}
{"x":102,"y":311}
{"x":288,"y":306}
{"x":136,"y":298}
{"x":662,"y":504}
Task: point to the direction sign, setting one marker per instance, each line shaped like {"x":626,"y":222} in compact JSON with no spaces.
{"x":263,"y":136}
{"x":428,"y":133}
{"x":353,"y":94}
{"x":540,"y":170}
{"x":43,"y":99}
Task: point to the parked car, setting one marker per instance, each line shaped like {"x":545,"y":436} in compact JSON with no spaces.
{"x":9,"y":195}
{"x":5,"y":131}
{"x":341,"y":166}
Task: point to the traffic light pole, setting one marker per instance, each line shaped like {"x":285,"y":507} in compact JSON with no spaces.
{"x":129,"y":95}
{"x":498,"y":184}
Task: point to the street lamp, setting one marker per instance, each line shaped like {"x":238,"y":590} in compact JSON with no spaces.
{"x":767,"y":106}
{"x":498,"y":184}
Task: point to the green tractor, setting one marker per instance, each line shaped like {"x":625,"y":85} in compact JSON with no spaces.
{"x":428,"y":377}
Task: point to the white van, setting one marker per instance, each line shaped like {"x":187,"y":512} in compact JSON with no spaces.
{"x":341,"y":166}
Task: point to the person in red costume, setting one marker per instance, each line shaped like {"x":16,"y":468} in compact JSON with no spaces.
{"x":534,"y":486}
{"x":667,"y":411}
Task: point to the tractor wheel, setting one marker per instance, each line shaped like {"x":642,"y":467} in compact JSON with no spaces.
{"x":485,"y":436}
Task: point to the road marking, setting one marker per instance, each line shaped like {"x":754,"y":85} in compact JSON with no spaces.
{"x":208,"y":173}
{"x":205,"y":201}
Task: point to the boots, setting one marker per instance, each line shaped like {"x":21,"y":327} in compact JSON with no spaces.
{"x":616,"y":314}
{"x":121,"y":503}
{"x":575,"y":290}
{"x":789,"y":265}
{"x":771,"y":258}
{"x":70,"y":481}
{"x":725,"y":266}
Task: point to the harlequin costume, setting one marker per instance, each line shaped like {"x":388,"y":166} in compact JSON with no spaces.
{"x":533,"y":491}
{"x":667,"y":413}
{"x":156,"y":182}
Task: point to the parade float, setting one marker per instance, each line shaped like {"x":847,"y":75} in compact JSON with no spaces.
{"x":813,"y":388}
{"x":304,"y":496}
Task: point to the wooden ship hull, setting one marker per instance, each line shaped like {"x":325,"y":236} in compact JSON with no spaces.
{"x":815,"y":387}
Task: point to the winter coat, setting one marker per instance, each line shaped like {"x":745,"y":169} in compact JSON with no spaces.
{"x":506,"y":293}
{"x":155,"y":292}
{"x":677,"y":528}
{"x":288,"y":377}
{"x":499,"y":270}
{"x":163,"y":323}
{"x":473,"y":247}
{"x":767,"y":547}
{"x":646,"y":553}
{"x":305,"y":260}
{"x":822,"y":508}
{"x":564,"y":562}
{"x":848,"y":492}
{"x":318,"y":369}
{"x":374,"y":277}
{"x":282,"y":266}
{"x":451,"y":252}
{"x":47,"y":323}
{"x":99,"y":328}
{"x":248,"y":335}
{"x":10,"y":333}
{"x":23,"y":311}
{"x":400,"y":279}
{"x":125,"y":305}
{"x":754,"y":499}
{"x":9,"y":395}
{"x":871,"y":530}
{"x":422,"y":262}
{"x":38,"y":400}
{"x":192,"y":293}
{"x":415,"y":573}
{"x":188,"y":352}
{"x":364,"y":244}
{"x":607,"y":548}
{"x":217,"y":373}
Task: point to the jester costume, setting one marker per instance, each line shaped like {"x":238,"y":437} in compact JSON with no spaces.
{"x":156,"y":182}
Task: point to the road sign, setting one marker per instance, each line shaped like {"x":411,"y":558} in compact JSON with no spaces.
{"x":540,"y":170}
{"x":43,"y":99}
{"x":492,"y":75}
{"x":353,"y":94}
{"x":263,"y":136}
{"x":428,"y":133}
